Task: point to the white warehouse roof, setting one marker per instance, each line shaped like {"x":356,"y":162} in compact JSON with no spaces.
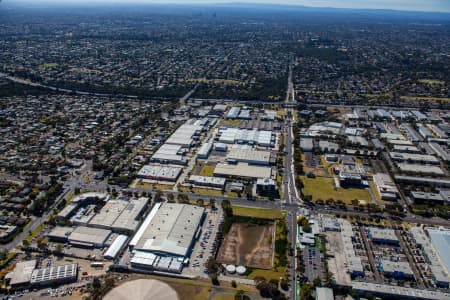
{"x":115,"y":247}
{"x":168,"y":153}
{"x":236,"y":135}
{"x":171,"y":229}
{"x":184,"y":134}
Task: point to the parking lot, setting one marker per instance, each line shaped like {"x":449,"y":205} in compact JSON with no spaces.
{"x":313,"y":260}
{"x":206,"y":244}
{"x":311,"y":160}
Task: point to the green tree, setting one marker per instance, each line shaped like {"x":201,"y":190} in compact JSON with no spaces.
{"x":170,"y":198}
{"x":212,"y":266}
{"x":158,"y":196}
{"x":58,"y":249}
{"x":96,"y":284}
{"x":307,"y":228}
{"x":215,"y":279}
{"x":240,"y":295}
{"x":3,"y":254}
{"x":306,"y":292}
{"x":317,"y":282}
{"x":26,"y":243}
{"x":227,"y":209}
{"x":212,"y":203}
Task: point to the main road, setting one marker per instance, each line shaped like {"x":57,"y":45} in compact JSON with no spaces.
{"x":291,"y":197}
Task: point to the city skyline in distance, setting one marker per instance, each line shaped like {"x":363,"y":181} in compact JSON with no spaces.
{"x":402,"y":5}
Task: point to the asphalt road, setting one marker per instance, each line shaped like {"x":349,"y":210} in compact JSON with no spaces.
{"x":291,"y":197}
{"x":35,"y":223}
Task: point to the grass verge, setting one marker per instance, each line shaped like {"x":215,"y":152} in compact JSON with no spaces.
{"x":34,"y":232}
{"x":258,"y":212}
{"x":275,"y":273}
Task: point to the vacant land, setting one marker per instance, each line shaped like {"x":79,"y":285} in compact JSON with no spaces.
{"x":258,"y":212}
{"x":323,"y":188}
{"x":249,"y":245}
{"x":201,"y":191}
{"x":207,"y":171}
{"x":233,"y":123}
{"x":151,"y":186}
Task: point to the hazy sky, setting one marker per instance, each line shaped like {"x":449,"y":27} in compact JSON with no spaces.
{"x":420,"y":5}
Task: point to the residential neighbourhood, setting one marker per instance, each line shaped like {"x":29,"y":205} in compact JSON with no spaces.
{"x":224,"y":153}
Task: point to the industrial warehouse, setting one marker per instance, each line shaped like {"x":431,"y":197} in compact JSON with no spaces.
{"x":250,"y":156}
{"x":25,"y":273}
{"x":244,"y":136}
{"x":168,"y":153}
{"x":205,"y":155}
{"x":118,"y":215}
{"x":242,"y":170}
{"x":269,"y":150}
{"x":169,"y":229}
{"x":159,"y":173}
{"x":166,"y":236}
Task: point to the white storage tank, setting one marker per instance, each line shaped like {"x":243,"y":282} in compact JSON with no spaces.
{"x":231,"y":269}
{"x":241,"y":270}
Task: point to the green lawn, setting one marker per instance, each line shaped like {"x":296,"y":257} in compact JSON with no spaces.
{"x":431,"y":81}
{"x":153,"y":186}
{"x":279,"y":178}
{"x":70,"y":197}
{"x":224,"y":297}
{"x":258,"y":212}
{"x":233,"y":195}
{"x":323,"y":188}
{"x":268,"y":274}
{"x":207,"y":171}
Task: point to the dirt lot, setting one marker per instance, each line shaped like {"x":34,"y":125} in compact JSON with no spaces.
{"x":248,"y":245}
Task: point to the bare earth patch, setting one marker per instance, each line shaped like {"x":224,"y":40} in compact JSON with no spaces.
{"x":248,"y":245}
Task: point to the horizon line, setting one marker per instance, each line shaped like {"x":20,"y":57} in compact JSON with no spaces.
{"x":75,"y":3}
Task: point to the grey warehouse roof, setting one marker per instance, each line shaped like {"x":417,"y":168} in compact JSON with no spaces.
{"x":88,"y":235}
{"x":22,"y":272}
{"x":399,"y":291}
